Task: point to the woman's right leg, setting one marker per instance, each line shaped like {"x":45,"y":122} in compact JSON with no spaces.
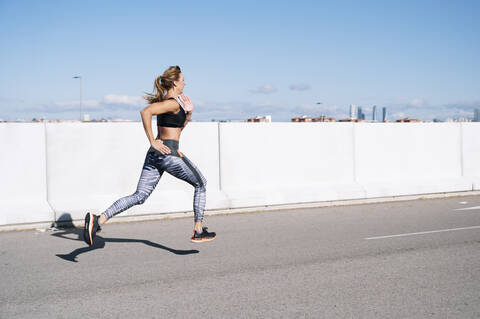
{"x":148,"y":180}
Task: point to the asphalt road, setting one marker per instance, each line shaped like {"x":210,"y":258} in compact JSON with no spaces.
{"x":415,"y":259}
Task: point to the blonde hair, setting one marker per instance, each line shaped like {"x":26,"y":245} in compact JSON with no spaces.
{"x":162,"y":84}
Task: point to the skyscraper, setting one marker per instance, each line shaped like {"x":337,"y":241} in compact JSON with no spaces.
{"x":384,"y":114}
{"x":476,"y":117}
{"x":361,"y":115}
{"x":374,"y":113}
{"x":353,"y":111}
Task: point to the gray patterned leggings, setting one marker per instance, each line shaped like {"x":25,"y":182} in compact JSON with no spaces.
{"x":155,"y":164}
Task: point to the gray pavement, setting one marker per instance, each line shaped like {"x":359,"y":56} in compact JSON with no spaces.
{"x":305,"y":263}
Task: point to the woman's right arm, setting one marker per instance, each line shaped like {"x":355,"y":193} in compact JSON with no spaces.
{"x":148,"y":112}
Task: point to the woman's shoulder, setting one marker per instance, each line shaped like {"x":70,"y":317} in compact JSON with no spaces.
{"x":173,"y":105}
{"x":165,"y":106}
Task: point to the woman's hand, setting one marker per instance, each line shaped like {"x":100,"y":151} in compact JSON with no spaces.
{"x":187,"y":103}
{"x":159,"y":146}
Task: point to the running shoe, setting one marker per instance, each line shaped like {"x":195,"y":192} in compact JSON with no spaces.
{"x":90,"y":229}
{"x":203,"y":236}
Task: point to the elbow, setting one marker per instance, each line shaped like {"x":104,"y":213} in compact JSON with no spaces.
{"x":144,"y":113}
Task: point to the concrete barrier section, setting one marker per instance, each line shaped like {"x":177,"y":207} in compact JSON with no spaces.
{"x":279,"y":163}
{"x":59,"y":171}
{"x":93,"y":164}
{"x":471,"y":153}
{"x":23,"y":188}
{"x":394,"y":159}
{"x":200,"y":144}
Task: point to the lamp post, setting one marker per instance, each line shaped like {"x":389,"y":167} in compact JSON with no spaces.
{"x":79,"y":77}
{"x":320,"y":103}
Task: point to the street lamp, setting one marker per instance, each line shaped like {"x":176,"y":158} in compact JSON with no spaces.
{"x":79,"y":77}
{"x":319,"y":103}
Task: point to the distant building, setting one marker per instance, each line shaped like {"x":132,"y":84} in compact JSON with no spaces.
{"x":476,"y":117}
{"x":462,"y":119}
{"x":305,"y":118}
{"x":302,"y":118}
{"x":351,"y":120}
{"x":353,"y":111}
{"x":384,"y":114}
{"x":407,"y":120}
{"x":361,"y":115}
{"x":267,"y":118}
{"x":374,"y":113}
{"x":324,"y":118}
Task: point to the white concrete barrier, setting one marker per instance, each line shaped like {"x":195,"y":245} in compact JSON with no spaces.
{"x":23,"y":188}
{"x":93,"y":164}
{"x":279,"y":163}
{"x":395,"y":159}
{"x":471,"y":153}
{"x":87,"y":166}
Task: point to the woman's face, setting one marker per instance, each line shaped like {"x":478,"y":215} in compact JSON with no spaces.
{"x":180,"y":84}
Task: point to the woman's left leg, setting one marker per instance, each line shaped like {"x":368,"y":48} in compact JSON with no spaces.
{"x":181,"y":167}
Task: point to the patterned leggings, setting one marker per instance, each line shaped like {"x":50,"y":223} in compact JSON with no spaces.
{"x":155,"y":164}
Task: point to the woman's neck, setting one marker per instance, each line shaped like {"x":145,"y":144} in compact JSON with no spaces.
{"x":171,"y":93}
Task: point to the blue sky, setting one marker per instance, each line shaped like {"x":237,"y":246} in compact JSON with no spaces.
{"x":241,"y":59}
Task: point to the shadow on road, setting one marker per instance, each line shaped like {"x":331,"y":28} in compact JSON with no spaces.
{"x":100,"y":243}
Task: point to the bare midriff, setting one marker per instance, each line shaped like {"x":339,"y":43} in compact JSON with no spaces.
{"x":169,"y":133}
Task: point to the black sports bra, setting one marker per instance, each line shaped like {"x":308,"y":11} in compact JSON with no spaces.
{"x":172,"y":119}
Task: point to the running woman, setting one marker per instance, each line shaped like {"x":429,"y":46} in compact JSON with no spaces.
{"x":173,"y":110}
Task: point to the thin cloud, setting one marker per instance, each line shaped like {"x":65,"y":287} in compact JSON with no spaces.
{"x":125,"y":106}
{"x":60,"y":107}
{"x":264,"y":89}
{"x":467,"y":105}
{"x":10,"y":100}
{"x":109,"y":102}
{"x":299,"y":87}
{"x":76,"y":104}
{"x":314,"y":110}
{"x":398,"y":115}
{"x":113,"y":99}
{"x":418,"y":102}
{"x":279,"y":112}
{"x":463,"y":109}
{"x":236,"y":110}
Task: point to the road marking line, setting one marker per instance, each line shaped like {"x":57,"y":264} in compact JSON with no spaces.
{"x":468,"y":208}
{"x":423,"y":232}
